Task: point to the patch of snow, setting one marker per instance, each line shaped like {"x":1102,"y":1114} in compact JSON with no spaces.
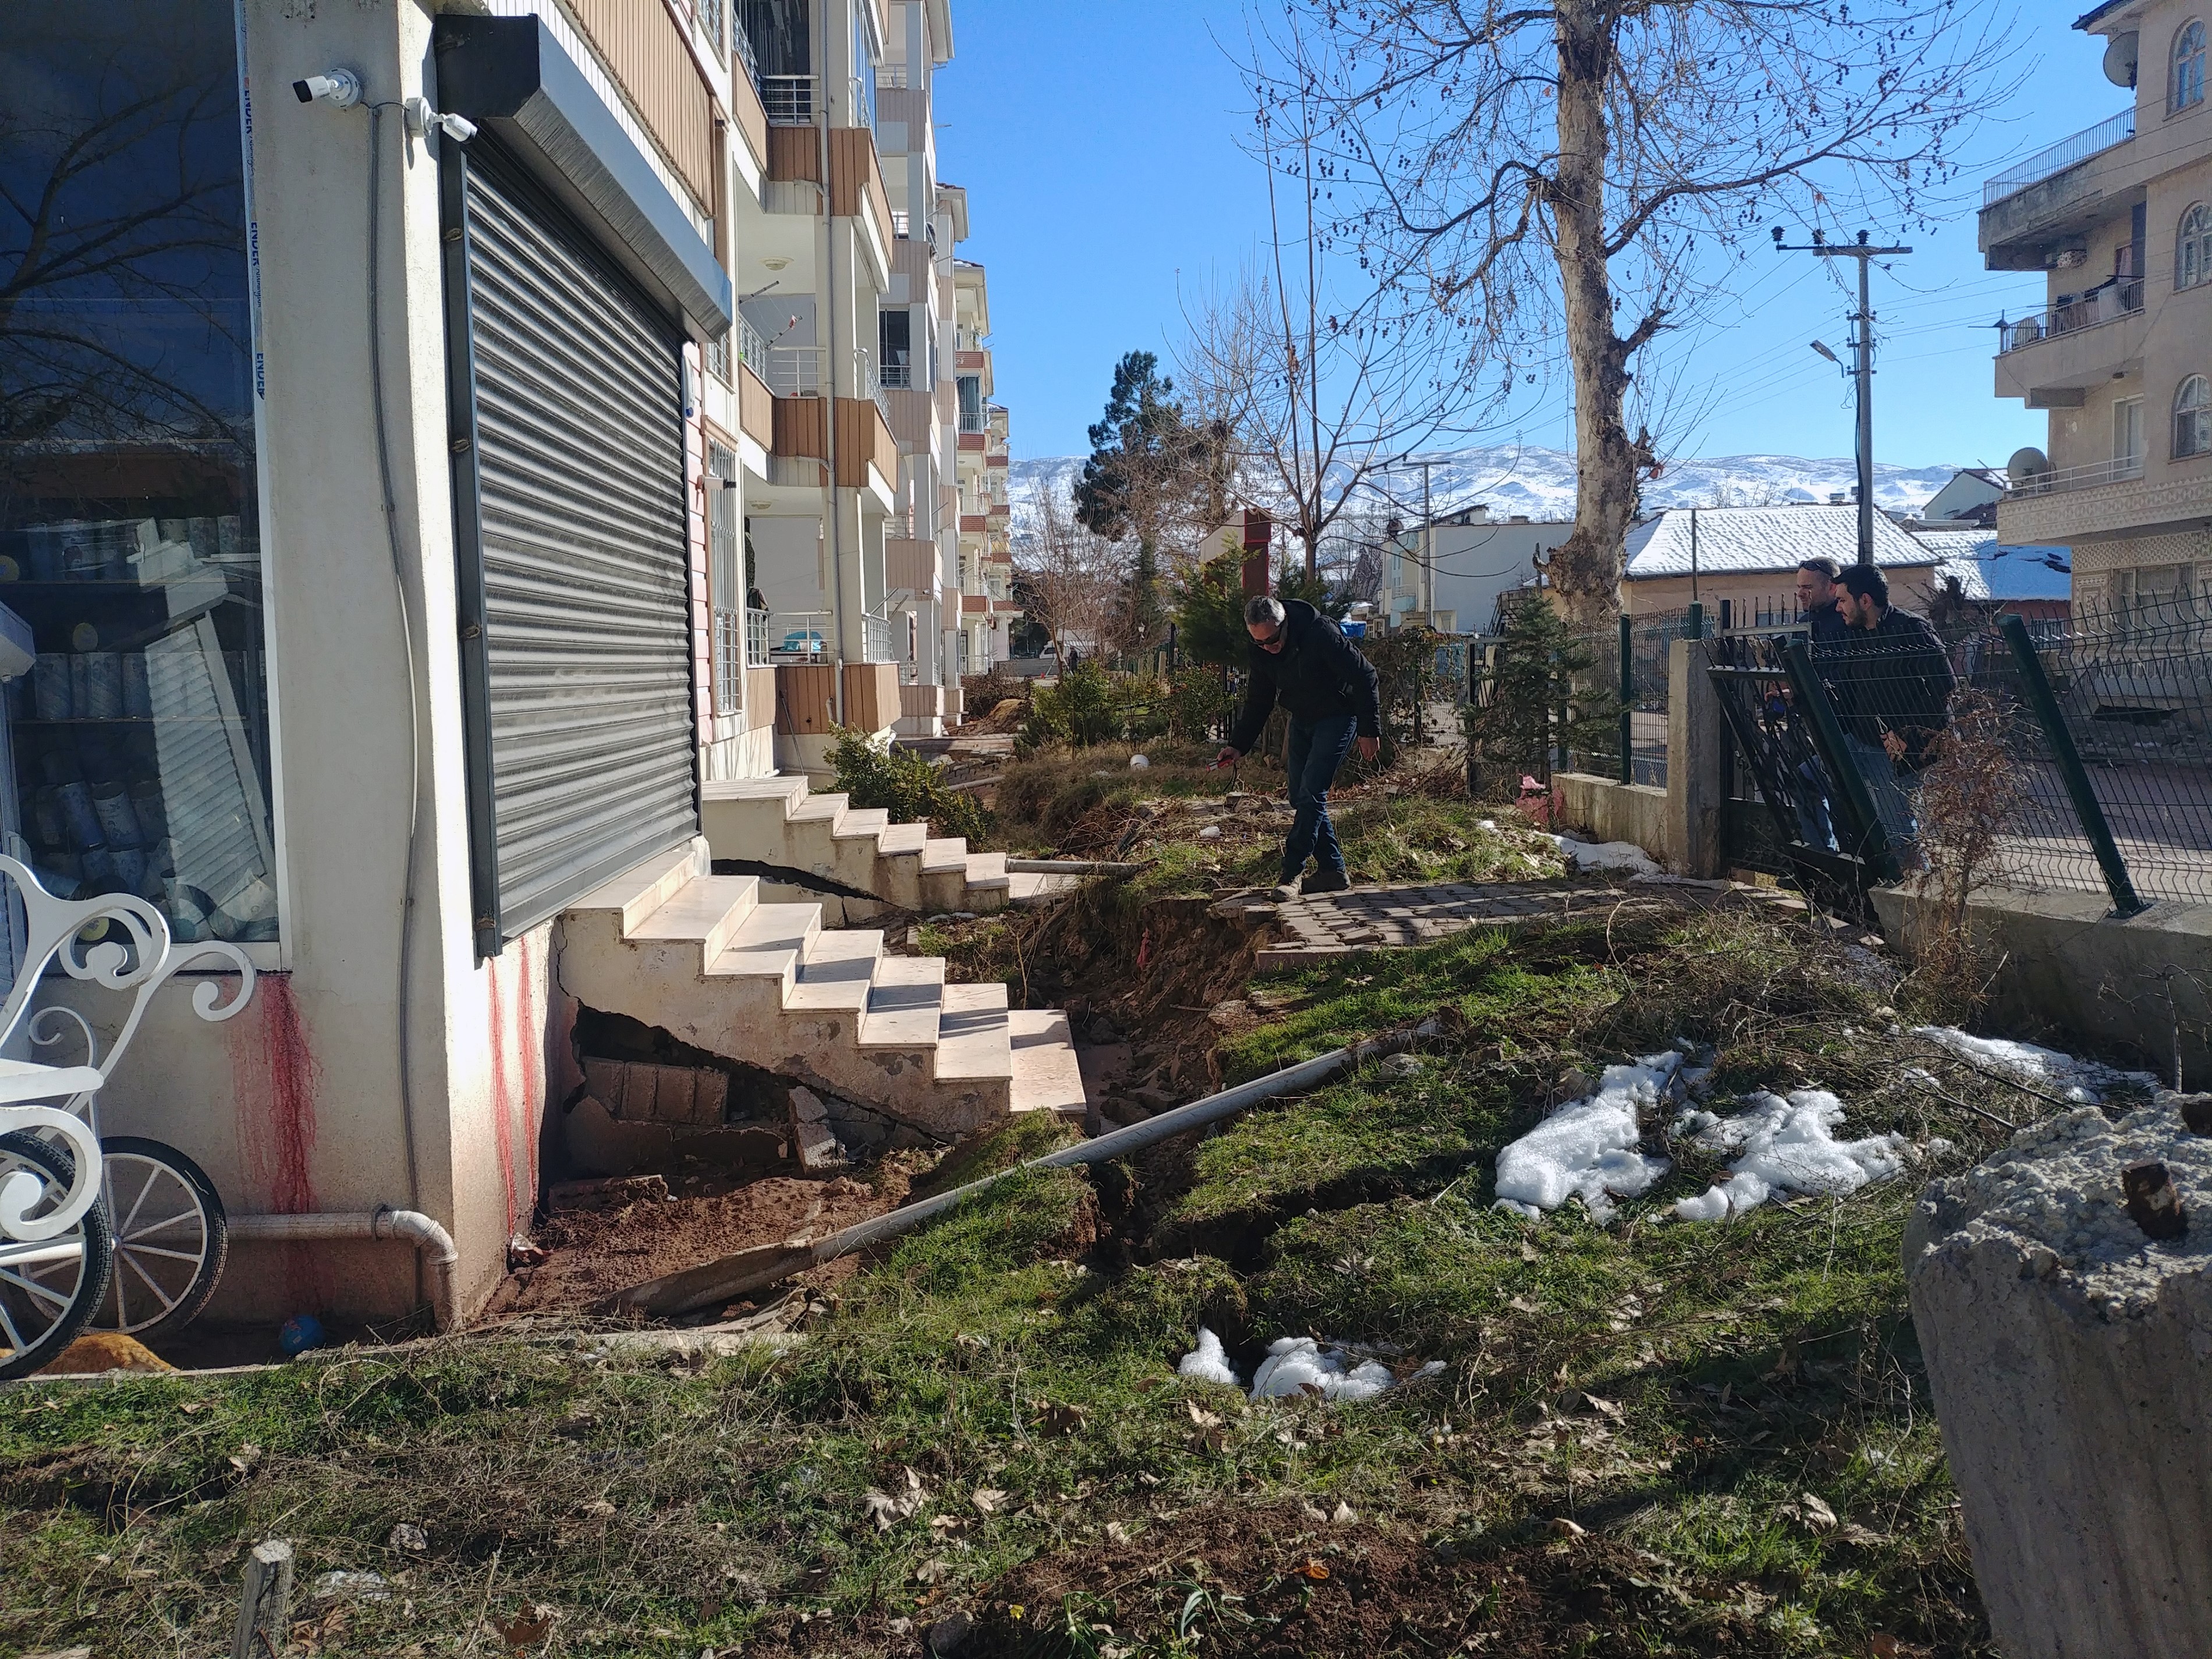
{"x":1586,"y":1149}
{"x":1139,"y":763}
{"x":2083,"y":1082}
{"x":1295,"y":1363}
{"x":1785,"y":1145}
{"x":1605,"y":854}
{"x":1212,"y":832}
{"x":1208,"y":1363}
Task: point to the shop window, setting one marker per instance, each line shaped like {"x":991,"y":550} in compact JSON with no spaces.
{"x":138,"y":744}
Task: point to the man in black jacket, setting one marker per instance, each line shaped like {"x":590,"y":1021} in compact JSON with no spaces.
{"x":1301,"y":659}
{"x":1893,"y":683}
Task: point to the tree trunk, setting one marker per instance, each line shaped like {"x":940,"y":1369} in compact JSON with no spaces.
{"x":1586,"y":567}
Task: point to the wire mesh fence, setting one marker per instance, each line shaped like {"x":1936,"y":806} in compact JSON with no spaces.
{"x":1609,"y":702}
{"x":2079,"y":759}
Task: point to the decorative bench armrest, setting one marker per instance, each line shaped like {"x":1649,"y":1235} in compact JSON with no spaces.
{"x":22,"y":1190}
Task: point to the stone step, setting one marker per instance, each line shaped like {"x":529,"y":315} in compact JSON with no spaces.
{"x":836,"y":972}
{"x":950,"y":853}
{"x":636,"y":893}
{"x":708,"y":909}
{"x":1047,"y":1078}
{"x":902,"y":840}
{"x":861,"y":822}
{"x":905,"y":1000}
{"x":1025,"y":887}
{"x":774,"y":940}
{"x":987,"y":870}
{"x":972,"y":1034}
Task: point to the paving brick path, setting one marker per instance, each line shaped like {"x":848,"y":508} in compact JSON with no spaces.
{"x":1322,"y":926}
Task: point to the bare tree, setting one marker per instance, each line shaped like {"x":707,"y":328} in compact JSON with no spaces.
{"x":1078,"y":577}
{"x":1317,"y":396}
{"x":1588,"y":167}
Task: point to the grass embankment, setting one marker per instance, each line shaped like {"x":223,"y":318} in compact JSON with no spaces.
{"x":1652,"y":1438}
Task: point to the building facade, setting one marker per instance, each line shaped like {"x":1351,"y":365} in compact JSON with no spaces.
{"x":1741,"y":562}
{"x":2120,"y":216}
{"x":1450,"y":574}
{"x":410,"y":515}
{"x":988,"y":609}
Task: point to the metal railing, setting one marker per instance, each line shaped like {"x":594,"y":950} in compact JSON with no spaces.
{"x":2122,"y":297}
{"x":876,"y":640}
{"x":895,"y":371}
{"x":2118,"y":469}
{"x":973,"y":421}
{"x":756,"y":639}
{"x":796,"y":635}
{"x":792,"y":370}
{"x":2066,"y":153}
{"x":789,"y":100}
{"x":901,"y":223}
{"x":752,"y":349}
{"x":718,"y":358}
{"x":892,"y":75}
{"x":729,"y":661}
{"x":714,"y":25}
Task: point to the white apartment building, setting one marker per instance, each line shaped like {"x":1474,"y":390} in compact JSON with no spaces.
{"x":1451,"y":574}
{"x":988,"y":610}
{"x":409,"y":516}
{"x":2120,"y":216}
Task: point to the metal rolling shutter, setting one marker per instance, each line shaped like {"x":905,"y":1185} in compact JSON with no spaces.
{"x":585,"y":672}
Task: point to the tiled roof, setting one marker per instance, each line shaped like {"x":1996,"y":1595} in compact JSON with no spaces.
{"x":1986,"y":570}
{"x":1763,"y":540}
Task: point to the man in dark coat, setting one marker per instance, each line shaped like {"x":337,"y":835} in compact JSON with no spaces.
{"x":1301,"y":659}
{"x":1892,"y":683}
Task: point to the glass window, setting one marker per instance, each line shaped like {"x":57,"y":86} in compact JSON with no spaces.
{"x":2192,"y":248}
{"x":130,"y":540}
{"x":2188,"y":66}
{"x":2192,"y":418}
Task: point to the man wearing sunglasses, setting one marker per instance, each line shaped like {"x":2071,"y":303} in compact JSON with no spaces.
{"x":1300,"y":658}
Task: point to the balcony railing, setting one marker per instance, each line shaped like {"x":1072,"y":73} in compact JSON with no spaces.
{"x":756,"y":639}
{"x":792,"y":370}
{"x":897,"y":372}
{"x":796,"y":635}
{"x":901,"y":223}
{"x":974,"y":420}
{"x":2108,"y":304}
{"x":892,"y":75}
{"x":2066,"y":153}
{"x":2118,"y":469}
{"x":876,"y":640}
{"x":752,"y":351}
{"x":789,"y":100}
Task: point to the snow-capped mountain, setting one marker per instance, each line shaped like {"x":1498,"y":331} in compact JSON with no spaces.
{"x":1540,"y":482}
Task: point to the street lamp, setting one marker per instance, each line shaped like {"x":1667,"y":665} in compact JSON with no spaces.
{"x":1829,"y":355}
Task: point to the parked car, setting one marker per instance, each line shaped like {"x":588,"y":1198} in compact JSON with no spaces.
{"x":802,"y":642}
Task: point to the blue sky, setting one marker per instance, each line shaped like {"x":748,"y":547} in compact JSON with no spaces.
{"x":1098,"y":142}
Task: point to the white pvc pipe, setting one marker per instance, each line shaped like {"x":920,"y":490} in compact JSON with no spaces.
{"x":432,"y":1242}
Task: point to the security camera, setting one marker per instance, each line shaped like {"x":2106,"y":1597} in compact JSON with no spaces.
{"x":342,"y":87}
{"x":421,"y":117}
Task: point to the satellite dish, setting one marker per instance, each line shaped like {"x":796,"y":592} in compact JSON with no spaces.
{"x":2120,"y":56}
{"x":2026,"y":464}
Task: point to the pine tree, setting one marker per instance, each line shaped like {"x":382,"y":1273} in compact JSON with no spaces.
{"x":1144,"y":456}
{"x":1210,"y":612}
{"x":1533,"y":678}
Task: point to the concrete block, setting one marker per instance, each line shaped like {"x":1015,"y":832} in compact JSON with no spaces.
{"x":813,"y":1142}
{"x":2070,"y":1358}
{"x":681,"y":1097}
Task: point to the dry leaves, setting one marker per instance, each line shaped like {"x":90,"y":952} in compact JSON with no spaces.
{"x":527,"y":1628}
{"x":989,"y":1499}
{"x":887,"y":1510}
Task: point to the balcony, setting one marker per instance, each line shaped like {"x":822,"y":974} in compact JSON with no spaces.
{"x":792,"y":371}
{"x":895,"y":372}
{"x":2052,"y":199}
{"x":910,"y":565}
{"x":2118,"y":469}
{"x":788,"y":100}
{"x":876,"y":640}
{"x":2052,"y":357}
{"x":973,"y":421}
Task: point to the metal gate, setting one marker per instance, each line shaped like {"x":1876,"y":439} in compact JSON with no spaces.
{"x":566,"y":401}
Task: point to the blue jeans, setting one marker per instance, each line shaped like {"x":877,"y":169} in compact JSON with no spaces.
{"x":1317,"y":748}
{"x":1893,"y":793}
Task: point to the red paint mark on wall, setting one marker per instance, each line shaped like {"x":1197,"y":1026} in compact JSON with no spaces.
{"x":533,"y":1072}
{"x":277,"y":1079}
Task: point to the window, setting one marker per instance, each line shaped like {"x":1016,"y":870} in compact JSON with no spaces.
{"x":2192,"y":418}
{"x":2188,"y":67}
{"x":2192,"y":248}
{"x":2127,"y":437}
{"x":130,"y":532}
{"x":895,"y":338}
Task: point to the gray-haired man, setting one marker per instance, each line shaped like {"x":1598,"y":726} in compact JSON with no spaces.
{"x":1300,"y":658}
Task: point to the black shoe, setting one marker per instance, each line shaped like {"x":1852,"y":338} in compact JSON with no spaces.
{"x":1326,"y":881}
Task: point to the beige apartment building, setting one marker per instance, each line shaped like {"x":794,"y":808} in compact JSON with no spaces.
{"x":2120,"y":216}
{"x":534,"y":423}
{"x":989,"y":611}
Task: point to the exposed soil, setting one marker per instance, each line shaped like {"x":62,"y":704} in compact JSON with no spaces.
{"x":593,"y":1253}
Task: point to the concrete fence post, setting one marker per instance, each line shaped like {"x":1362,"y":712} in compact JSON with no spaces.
{"x":1694,"y":735}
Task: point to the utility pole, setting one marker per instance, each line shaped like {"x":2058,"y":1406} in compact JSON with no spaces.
{"x":1863,"y":317}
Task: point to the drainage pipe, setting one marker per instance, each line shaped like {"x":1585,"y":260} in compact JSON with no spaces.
{"x":434,"y":1245}
{"x":1069,"y":867}
{"x":764,"y":1265}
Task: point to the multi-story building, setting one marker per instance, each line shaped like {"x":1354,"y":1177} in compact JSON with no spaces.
{"x":2120,"y":353}
{"x":1450,"y":574}
{"x":434,"y":439}
{"x":988,"y":610}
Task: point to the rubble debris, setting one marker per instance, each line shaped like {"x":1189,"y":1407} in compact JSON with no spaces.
{"x":2152,"y":1204}
{"x":607,"y":1193}
{"x":813,"y":1143}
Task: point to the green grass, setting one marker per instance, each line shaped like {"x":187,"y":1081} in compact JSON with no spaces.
{"x":663,"y":1507}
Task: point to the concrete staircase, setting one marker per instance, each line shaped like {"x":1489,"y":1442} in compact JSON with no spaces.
{"x":703,"y":957}
{"x":774,"y":820}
